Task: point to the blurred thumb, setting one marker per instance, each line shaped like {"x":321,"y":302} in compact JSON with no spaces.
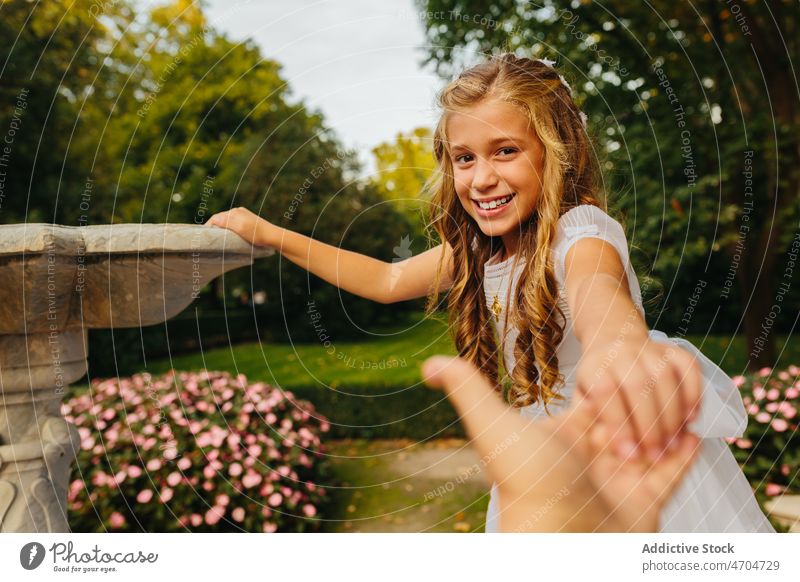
{"x":466,"y":386}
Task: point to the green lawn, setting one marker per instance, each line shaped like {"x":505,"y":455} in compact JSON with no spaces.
{"x":403,"y":486}
{"x":389,"y":361}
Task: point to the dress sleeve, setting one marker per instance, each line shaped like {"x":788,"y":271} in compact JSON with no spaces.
{"x":590,"y":221}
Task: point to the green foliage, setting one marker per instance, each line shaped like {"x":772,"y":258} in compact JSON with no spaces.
{"x":402,"y":169}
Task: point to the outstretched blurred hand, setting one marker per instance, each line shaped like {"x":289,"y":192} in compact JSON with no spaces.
{"x":558,"y":474}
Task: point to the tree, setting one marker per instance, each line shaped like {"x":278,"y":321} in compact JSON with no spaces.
{"x":402,"y":169}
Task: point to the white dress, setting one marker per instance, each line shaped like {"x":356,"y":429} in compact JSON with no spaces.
{"x":714,"y":496}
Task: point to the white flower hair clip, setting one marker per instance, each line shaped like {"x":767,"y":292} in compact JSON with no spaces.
{"x":549,"y":63}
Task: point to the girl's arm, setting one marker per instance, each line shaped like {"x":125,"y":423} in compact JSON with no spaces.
{"x":645,"y":389}
{"x":353,"y":272}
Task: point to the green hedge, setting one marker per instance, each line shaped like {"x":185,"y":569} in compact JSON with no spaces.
{"x":414,"y":412}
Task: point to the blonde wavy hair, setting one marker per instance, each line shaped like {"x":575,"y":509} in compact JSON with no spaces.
{"x":571,"y":177}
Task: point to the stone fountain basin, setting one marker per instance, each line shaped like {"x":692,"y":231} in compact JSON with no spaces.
{"x":59,"y":281}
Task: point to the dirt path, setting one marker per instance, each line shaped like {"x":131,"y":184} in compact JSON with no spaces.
{"x":402,"y":486}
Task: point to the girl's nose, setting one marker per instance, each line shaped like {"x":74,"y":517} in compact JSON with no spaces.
{"x":485,"y":176}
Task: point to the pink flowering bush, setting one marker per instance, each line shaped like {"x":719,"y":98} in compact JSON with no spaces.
{"x":194,"y":451}
{"x":769,"y":451}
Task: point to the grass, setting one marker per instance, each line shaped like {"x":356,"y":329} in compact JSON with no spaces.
{"x":384,"y":362}
{"x":395,"y":360}
{"x":401,"y":486}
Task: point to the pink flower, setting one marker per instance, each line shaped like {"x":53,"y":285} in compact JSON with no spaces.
{"x":744,"y":443}
{"x":251,"y":480}
{"x":780,"y":425}
{"x":765,"y":371}
{"x":773,"y":489}
{"x":145,"y":495}
{"x":184,"y":463}
{"x":116,"y":520}
{"x":738,"y":380}
{"x":99,"y":479}
{"x":214,"y":514}
{"x":309,"y":510}
{"x":792,"y":392}
{"x":275,"y":499}
{"x":222,"y":500}
{"x":763,"y":417}
{"x":153,"y":464}
{"x":238,"y":514}
{"x":209,"y":472}
{"x":166,"y":494}
{"x":235,"y":469}
{"x":134,"y":471}
{"x":196,"y":519}
{"x":174,"y":478}
{"x":773,"y":394}
{"x":269,"y":528}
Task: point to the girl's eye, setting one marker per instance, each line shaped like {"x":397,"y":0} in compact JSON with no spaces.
{"x":510,"y":150}
{"x":461,"y":159}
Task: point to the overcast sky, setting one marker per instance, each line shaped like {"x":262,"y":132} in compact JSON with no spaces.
{"x":358,"y":61}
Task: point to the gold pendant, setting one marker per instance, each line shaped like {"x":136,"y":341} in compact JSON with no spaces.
{"x":496,"y":308}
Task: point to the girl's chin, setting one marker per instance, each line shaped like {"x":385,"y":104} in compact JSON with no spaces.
{"x":495,"y":231}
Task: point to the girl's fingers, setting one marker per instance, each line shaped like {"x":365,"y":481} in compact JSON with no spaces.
{"x":690,"y":377}
{"x":673,"y":406}
{"x":644,"y":393}
{"x":663,"y":476}
{"x":611,"y":409}
{"x":217,"y":219}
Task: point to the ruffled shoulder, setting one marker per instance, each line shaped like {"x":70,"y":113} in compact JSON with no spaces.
{"x":585,"y":221}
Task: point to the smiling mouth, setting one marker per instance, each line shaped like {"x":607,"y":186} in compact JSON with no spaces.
{"x":494,"y":205}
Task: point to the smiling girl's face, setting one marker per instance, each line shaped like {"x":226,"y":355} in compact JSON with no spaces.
{"x":497,"y":167}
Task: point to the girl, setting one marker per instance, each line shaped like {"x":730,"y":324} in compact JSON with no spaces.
{"x":532,"y":260}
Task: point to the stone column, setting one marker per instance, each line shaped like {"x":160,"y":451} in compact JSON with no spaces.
{"x":58,"y":282}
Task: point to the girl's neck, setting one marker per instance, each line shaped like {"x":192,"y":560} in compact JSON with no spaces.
{"x":509,"y":247}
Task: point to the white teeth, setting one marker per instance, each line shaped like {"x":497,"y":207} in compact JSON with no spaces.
{"x":495,"y":203}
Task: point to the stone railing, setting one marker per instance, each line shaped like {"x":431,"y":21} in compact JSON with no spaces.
{"x":57,"y":282}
